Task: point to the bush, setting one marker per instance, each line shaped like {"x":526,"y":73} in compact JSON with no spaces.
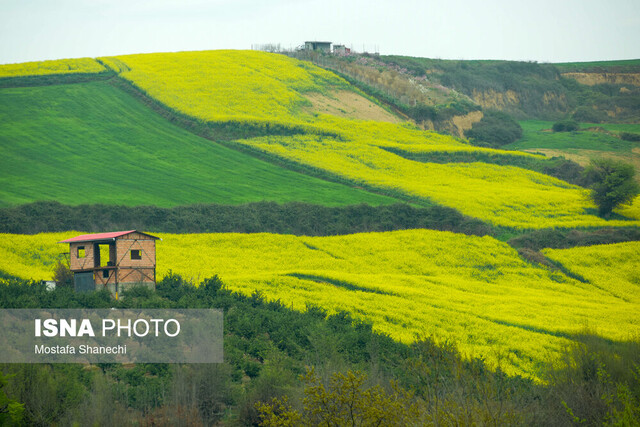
{"x":62,"y":275}
{"x":587,"y":115}
{"x":566,"y":170}
{"x":628,"y":136}
{"x":565,"y":126}
{"x":495,"y":130}
{"x":613,"y":184}
{"x":596,"y":383}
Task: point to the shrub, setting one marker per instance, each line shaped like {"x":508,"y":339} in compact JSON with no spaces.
{"x":587,"y":115}
{"x":62,"y":274}
{"x":565,"y":126}
{"x":613,"y":184}
{"x":495,"y":129}
{"x":628,"y":136}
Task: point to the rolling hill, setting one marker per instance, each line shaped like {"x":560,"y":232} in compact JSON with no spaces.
{"x":243,"y":121}
{"x":351,"y":149}
{"x":92,"y":143}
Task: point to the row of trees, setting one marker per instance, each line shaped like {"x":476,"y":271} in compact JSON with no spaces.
{"x":288,"y":218}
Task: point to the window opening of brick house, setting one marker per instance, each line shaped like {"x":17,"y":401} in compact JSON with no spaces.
{"x":105,"y":254}
{"x":135,"y":254}
{"x":105,"y":274}
{"x":81,"y":252}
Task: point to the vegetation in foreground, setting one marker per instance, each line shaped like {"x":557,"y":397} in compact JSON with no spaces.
{"x":279,"y":363}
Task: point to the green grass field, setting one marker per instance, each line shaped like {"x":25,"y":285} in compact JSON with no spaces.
{"x":538,"y":134}
{"x":93,"y":143}
{"x":625,"y":65}
{"x":581,"y":146}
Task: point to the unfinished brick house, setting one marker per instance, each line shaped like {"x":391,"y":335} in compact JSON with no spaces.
{"x":114,"y":261}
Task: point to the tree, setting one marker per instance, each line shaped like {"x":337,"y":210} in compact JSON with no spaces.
{"x":345,"y":402}
{"x":11,"y":410}
{"x":495,"y":130}
{"x":565,"y":126}
{"x":62,"y":274}
{"x":612,"y":185}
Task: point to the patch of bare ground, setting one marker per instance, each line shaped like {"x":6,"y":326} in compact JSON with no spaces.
{"x":350,"y":105}
{"x":591,"y":79}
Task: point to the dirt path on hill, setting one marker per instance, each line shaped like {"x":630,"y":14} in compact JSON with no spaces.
{"x":350,"y":105}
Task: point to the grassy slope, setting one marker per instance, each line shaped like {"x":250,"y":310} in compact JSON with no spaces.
{"x":624,"y":65}
{"x":583,"y":145}
{"x":474,"y":291}
{"x":536,"y":134}
{"x":92,"y":143}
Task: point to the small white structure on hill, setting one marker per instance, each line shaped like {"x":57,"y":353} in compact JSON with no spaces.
{"x":318,"y":46}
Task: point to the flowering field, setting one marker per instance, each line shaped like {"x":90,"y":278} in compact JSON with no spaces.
{"x":61,"y":66}
{"x":614,"y":268}
{"x":501,"y":195}
{"x":256,"y":87}
{"x":475,"y":291}
{"x":226,"y":84}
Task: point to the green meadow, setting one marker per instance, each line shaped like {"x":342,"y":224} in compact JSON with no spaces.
{"x":538,"y":134}
{"x":93,"y":143}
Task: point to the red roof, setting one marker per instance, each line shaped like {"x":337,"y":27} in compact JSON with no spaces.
{"x":101,"y":236}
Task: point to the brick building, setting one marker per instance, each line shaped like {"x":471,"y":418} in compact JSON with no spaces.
{"x":114,"y":261}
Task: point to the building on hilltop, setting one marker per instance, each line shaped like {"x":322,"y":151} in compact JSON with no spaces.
{"x":340,"y":49}
{"x":131,"y":261}
{"x":318,"y":46}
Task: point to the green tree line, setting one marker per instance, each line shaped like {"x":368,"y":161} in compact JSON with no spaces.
{"x":288,"y":218}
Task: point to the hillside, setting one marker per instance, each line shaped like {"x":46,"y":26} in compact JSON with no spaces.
{"x":356,"y":151}
{"x":592,"y":140}
{"x":602,"y":92}
{"x":245,"y":86}
{"x":493,"y":294}
{"x":92,"y":143}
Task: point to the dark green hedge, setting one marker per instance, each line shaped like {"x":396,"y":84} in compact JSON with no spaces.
{"x":289,"y":218}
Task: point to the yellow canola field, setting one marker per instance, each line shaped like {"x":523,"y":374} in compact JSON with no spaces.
{"x":227,"y":85}
{"x":501,"y":195}
{"x":257,"y":87}
{"x":475,"y":291}
{"x":632,"y":210}
{"x":614,"y":268}
{"x":60,"y":66}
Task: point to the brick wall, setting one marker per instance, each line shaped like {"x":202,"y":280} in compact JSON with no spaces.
{"x":77,"y":263}
{"x":146,"y":247}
